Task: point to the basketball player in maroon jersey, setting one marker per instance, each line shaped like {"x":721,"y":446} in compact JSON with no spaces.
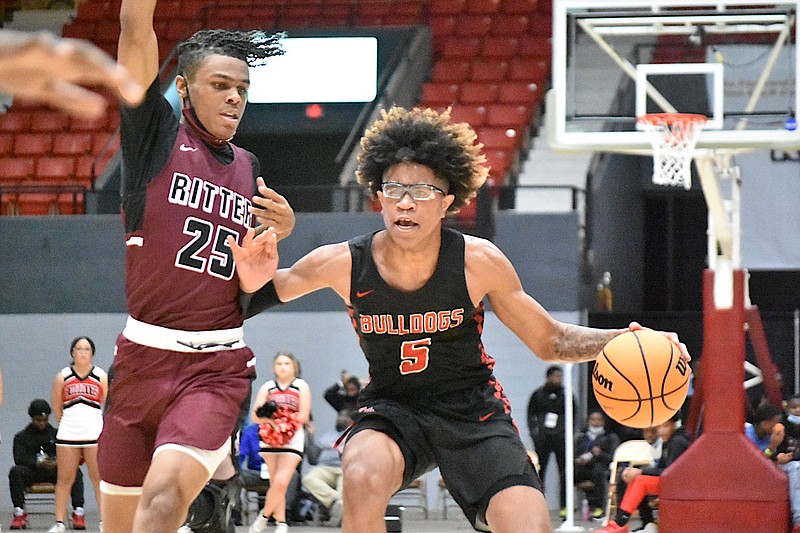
{"x":182,"y":368}
{"x":415,"y":293}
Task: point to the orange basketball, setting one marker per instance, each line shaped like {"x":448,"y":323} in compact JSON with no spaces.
{"x":640,"y":379}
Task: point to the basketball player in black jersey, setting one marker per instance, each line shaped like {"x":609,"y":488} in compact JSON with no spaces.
{"x":415,"y":293}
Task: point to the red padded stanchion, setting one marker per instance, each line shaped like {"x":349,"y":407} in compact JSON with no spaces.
{"x":722,"y":483}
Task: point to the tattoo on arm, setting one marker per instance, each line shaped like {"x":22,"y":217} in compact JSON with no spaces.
{"x":577,"y":344}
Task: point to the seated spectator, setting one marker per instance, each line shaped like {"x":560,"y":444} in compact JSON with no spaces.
{"x":791,"y":417}
{"x":324,"y":481}
{"x":770,"y":436}
{"x":34,"y":462}
{"x":344,"y":393}
{"x":645,"y":481}
{"x":651,"y":436}
{"x":594,"y":450}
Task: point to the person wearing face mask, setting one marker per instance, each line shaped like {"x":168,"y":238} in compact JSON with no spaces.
{"x":594,"y":450}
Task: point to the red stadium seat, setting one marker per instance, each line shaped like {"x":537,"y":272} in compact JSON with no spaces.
{"x":15,"y":121}
{"x":55,"y":168}
{"x":451,"y":70}
{"x":475,"y":116}
{"x":509,"y":24}
{"x":107,"y":31}
{"x":435,"y":94}
{"x":501,"y":162}
{"x":536,"y":46}
{"x":80,"y":29}
{"x":482,"y":7}
{"x":83,"y":169}
{"x":529,"y":69}
{"x":542,"y":25}
{"x":479,"y":92}
{"x":509,"y":115}
{"x":473,"y":25}
{"x":499,"y":138}
{"x":461,"y":47}
{"x":28,"y":144}
{"x":446,"y":7}
{"x":15,"y":169}
{"x":519,"y":92}
{"x":46,"y":120}
{"x":84,"y":124}
{"x":72,"y":143}
{"x":166,"y":10}
{"x":488,"y":70}
{"x":6,"y":144}
{"x":520,"y":7}
{"x":441,"y":25}
{"x":500,"y":46}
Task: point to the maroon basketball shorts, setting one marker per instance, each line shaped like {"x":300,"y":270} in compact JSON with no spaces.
{"x":160,"y":397}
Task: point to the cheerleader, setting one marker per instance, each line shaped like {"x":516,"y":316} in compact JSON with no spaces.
{"x":281,"y":408}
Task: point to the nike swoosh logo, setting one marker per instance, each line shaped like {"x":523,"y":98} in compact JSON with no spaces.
{"x":185,"y":148}
{"x":361,"y":294}
{"x":486,"y":417}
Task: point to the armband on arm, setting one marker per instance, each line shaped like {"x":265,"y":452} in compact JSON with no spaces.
{"x":261,"y":300}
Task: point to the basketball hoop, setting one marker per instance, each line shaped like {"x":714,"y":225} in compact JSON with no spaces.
{"x":673,"y":136}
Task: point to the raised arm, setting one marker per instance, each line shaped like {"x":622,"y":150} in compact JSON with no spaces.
{"x":491,"y":274}
{"x":138,"y":46}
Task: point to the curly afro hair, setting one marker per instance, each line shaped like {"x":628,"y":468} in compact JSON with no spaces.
{"x":425,"y":137}
{"x":253,"y":47}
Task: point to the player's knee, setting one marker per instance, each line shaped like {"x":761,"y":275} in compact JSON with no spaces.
{"x":165,"y":501}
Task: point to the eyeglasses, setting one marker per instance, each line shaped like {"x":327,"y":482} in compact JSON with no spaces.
{"x":417,"y":191}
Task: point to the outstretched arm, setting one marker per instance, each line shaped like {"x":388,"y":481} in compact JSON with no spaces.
{"x":490,"y":273}
{"x":43,"y":68}
{"x":138,"y":46}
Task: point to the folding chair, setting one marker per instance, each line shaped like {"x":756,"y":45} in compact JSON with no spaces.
{"x":416,"y":493}
{"x":631,"y":453}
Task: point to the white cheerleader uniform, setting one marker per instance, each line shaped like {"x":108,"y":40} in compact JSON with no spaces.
{"x":290,"y":400}
{"x":82,"y":415}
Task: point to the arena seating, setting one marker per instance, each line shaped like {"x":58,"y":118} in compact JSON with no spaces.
{"x":491,"y":64}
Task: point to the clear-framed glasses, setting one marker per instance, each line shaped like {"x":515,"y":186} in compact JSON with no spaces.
{"x":417,"y":191}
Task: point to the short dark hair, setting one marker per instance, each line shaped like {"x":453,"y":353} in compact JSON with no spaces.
{"x":765,"y":411}
{"x":253,"y":47}
{"x":552,"y":369}
{"x":39,"y":407}
{"x":426,"y":137}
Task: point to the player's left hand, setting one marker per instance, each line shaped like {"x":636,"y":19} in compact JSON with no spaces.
{"x":272,"y":210}
{"x":256,"y":259}
{"x":671,"y":335}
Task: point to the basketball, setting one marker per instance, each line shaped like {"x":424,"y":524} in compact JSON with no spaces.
{"x":640,"y":379}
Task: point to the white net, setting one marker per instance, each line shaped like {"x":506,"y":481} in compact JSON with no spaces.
{"x":674,"y":137}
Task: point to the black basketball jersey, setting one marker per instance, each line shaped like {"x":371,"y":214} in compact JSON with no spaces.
{"x":424,"y":344}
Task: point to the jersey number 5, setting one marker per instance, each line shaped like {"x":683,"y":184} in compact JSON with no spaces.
{"x":414,"y":356}
{"x":220,"y":261}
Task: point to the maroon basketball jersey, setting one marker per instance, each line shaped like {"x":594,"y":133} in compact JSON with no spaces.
{"x":180,"y":271}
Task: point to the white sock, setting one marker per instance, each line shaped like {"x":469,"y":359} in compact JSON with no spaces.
{"x":79,"y":511}
{"x":19,"y":511}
